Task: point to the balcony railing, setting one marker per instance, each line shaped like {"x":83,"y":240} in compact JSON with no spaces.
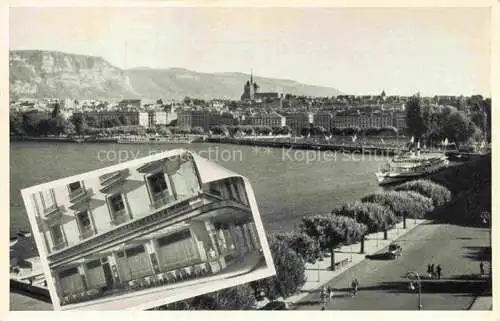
{"x":161,"y":200}
{"x":120,"y":217}
{"x":59,"y":245}
{"x":86,"y":233}
{"x":108,"y":180}
{"x":52,"y":212}
{"x":80,"y":195}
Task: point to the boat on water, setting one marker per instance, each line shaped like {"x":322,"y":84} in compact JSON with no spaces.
{"x":155,"y":140}
{"x":411,"y":165}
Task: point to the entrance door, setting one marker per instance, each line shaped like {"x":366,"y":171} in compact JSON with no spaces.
{"x":108,"y":276}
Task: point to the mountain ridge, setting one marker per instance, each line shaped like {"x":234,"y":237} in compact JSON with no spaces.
{"x":44,"y":73}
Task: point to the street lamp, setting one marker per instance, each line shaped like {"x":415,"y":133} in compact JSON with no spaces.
{"x":319,"y":259}
{"x":413,"y":276}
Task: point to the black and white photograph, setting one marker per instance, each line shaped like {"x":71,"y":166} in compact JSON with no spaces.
{"x":321,"y":158}
{"x":150,"y":232}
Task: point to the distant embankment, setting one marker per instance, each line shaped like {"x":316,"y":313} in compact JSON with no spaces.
{"x":349,"y":148}
{"x":470,"y":184}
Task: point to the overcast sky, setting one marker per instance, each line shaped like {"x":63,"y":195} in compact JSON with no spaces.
{"x":356,"y":50}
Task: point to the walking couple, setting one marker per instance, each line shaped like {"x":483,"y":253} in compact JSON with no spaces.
{"x":434,"y":274}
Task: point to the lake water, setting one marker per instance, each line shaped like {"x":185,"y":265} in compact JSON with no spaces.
{"x":287,"y":184}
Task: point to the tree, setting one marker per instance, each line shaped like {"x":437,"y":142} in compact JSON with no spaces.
{"x":374,"y":216}
{"x":16,"y":125}
{"x":439,"y":194}
{"x":414,"y":119}
{"x":302,"y":244}
{"x":333,"y":231}
{"x":79,"y":122}
{"x":290,"y":271}
{"x":197,"y":130}
{"x":388,"y":131}
{"x":423,"y":206}
{"x":372,"y":131}
{"x":56,"y":112}
{"x":124,"y":120}
{"x":92,"y":121}
{"x":398,"y":202}
{"x":240,"y":297}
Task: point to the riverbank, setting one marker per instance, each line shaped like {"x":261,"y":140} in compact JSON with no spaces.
{"x":307,"y":145}
{"x":181,"y":139}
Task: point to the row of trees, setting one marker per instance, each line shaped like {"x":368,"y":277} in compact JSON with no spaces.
{"x":346,"y":224}
{"x":432,"y":124}
{"x":43,"y":124}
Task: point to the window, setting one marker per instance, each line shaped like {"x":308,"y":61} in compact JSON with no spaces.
{"x":116,"y":204}
{"x":84,"y":224}
{"x":185,"y":181}
{"x":157,"y":184}
{"x":117,"y":209}
{"x":84,"y":220}
{"x":48,"y":198}
{"x":56,"y":233}
{"x":74,"y":187}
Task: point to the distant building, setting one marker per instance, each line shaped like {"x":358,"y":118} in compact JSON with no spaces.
{"x":346,"y":120}
{"x":204,"y":119}
{"x":399,"y":121}
{"x":129,"y":103}
{"x":298,"y":121}
{"x":251,"y":93}
{"x":375,"y":120}
{"x":323,"y":119}
{"x":272,"y":119}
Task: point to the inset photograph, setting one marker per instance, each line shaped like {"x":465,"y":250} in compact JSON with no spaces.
{"x":146,"y":233}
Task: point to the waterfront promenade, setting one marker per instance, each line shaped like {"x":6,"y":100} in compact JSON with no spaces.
{"x":318,"y":274}
{"x":383,"y":284}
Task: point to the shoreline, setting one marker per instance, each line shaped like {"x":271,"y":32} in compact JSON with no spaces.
{"x":261,"y":142}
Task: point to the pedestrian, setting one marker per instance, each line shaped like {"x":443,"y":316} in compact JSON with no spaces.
{"x":432,"y":271}
{"x":428,"y":269}
{"x":353,"y":287}
{"x":481,"y":267}
{"x":323,"y":295}
{"x":438,"y":271}
{"x":331,"y":294}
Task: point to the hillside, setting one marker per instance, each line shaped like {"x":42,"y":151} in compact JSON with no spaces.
{"x":37,"y":74}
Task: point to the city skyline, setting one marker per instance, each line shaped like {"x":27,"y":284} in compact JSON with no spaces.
{"x":445,"y":55}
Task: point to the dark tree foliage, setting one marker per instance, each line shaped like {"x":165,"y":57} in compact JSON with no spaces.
{"x":290,"y":271}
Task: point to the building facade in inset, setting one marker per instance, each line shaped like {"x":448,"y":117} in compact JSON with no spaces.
{"x":136,"y":228}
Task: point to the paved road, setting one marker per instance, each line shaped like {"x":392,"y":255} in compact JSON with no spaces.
{"x":382,"y":283}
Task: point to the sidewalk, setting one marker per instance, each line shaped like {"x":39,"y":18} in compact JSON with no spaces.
{"x":318,"y":274}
